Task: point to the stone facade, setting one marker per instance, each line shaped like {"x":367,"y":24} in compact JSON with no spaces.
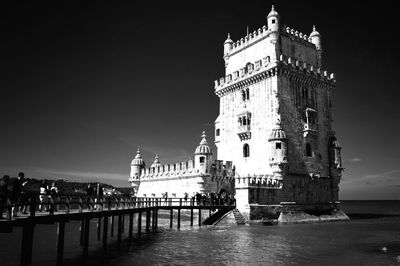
{"x":199,"y":175}
{"x":275,"y":121}
{"x":274,"y":126}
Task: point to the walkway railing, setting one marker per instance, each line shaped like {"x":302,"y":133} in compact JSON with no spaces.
{"x":83,"y":203}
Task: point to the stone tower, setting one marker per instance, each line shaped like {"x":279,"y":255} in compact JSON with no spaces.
{"x":275,"y":121}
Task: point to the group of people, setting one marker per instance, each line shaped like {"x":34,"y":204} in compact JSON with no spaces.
{"x":95,"y":192}
{"x":13,"y":189}
{"x":46,"y":193}
{"x":213,"y":198}
{"x":206,"y":198}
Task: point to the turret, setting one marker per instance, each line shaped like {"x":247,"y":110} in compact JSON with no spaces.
{"x":228,"y":44}
{"x":335,"y":157}
{"x":315,"y":38}
{"x":279,"y":152}
{"x":203,"y":156}
{"x":273,"y":23}
{"x":156,"y":162}
{"x":136,"y":166}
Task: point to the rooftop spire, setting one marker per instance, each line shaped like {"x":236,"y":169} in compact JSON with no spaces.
{"x":273,"y":12}
{"x":138,"y":154}
{"x":228,"y":39}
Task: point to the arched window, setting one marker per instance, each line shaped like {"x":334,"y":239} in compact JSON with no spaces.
{"x":308,"y":150}
{"x":201,"y":159}
{"x":246,"y":150}
{"x":247,"y":94}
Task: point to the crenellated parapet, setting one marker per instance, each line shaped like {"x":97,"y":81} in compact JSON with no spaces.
{"x":297,"y":35}
{"x":169,"y":171}
{"x":186,"y":169}
{"x":258,"y":181}
{"x":264,"y":68}
{"x":250,"y":39}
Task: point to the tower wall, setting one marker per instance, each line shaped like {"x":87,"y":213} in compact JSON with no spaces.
{"x":288,"y":97}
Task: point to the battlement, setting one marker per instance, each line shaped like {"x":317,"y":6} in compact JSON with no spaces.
{"x":259,"y":181}
{"x":186,"y":169}
{"x":249,"y":39}
{"x":265,"y":65}
{"x":299,"y":36}
{"x":262,"y":33}
{"x":169,"y":170}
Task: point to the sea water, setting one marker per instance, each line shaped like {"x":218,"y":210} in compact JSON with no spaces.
{"x":366,"y":240}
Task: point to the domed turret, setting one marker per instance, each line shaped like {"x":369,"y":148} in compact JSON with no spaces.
{"x":315,"y":38}
{"x":279,"y":151}
{"x":228,"y":45}
{"x":203,"y":156}
{"x":277,"y":134}
{"x":273,"y":20}
{"x":136,"y":165}
{"x":203,"y":147}
{"x":156,"y":162}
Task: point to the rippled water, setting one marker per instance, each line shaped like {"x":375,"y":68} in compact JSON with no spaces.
{"x":356,"y":242}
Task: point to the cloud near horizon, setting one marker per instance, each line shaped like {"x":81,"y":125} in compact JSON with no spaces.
{"x":355,"y":160}
{"x":113,"y":178}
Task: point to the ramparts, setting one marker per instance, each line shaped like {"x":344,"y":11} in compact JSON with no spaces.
{"x":265,"y":65}
{"x":262,"y":33}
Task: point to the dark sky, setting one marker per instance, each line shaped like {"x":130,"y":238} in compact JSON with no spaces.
{"x":83,"y":85}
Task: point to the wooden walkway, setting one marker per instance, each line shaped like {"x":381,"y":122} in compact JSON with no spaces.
{"x":65,"y":208}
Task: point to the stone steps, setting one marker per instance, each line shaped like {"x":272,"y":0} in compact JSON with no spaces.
{"x":238,"y":217}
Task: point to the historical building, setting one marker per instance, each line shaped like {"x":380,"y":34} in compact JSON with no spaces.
{"x":274,"y":126}
{"x":199,"y":175}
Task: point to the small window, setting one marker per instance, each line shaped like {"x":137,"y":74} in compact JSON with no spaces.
{"x":273,"y":21}
{"x":308,"y":150}
{"x":202,"y":159}
{"x":278,"y":145}
{"x":217,"y":132}
{"x":244,"y":121}
{"x":246,"y":150}
{"x":243,"y":96}
{"x":247,"y":94}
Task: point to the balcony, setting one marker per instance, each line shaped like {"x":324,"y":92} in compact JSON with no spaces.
{"x":244,"y":132}
{"x":309,"y":129}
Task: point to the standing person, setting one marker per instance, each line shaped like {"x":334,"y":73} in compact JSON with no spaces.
{"x":99,"y":195}
{"x":43,"y":196}
{"x":24,"y":193}
{"x":14,"y":191}
{"x":53,"y":191}
{"x":90,"y":194}
{"x":3,"y":194}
